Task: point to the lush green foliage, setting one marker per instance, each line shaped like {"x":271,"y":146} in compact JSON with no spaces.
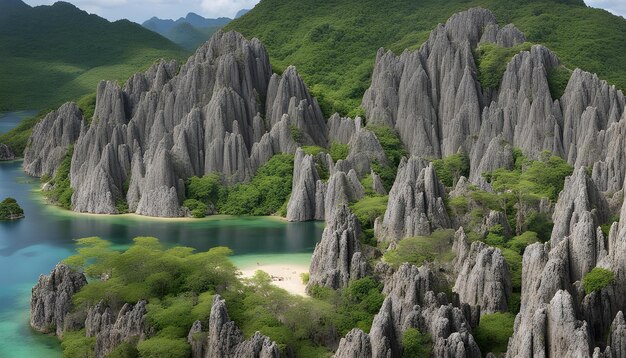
{"x":158,"y":347}
{"x":394,"y":151}
{"x":76,"y":345}
{"x":313,"y":150}
{"x":10,"y":209}
{"x":597,"y":279}
{"x":420,"y":249}
{"x":522,"y":187}
{"x":265,"y":193}
{"x":557,"y":81}
{"x":492,"y":60}
{"x":198,"y":208}
{"x":451,"y":168}
{"x":415,"y":344}
{"x":335,"y":48}
{"x":367,"y":210}
{"x":147,"y":270}
{"x":339,"y":151}
{"x":302,"y":323}
{"x":52,"y":54}
{"x":87,"y":105}
{"x":493,"y":332}
{"x":61,"y":192}
{"x":207,"y":189}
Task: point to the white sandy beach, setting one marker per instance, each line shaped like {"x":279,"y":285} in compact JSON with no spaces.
{"x":285,"y":276}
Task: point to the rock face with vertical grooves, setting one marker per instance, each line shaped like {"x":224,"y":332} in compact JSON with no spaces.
{"x":131,"y":324}
{"x":6,"y":153}
{"x":416,"y":205}
{"x":337,"y":258}
{"x":50,"y":139}
{"x":301,"y":206}
{"x":483,"y":278}
{"x":435,"y":101}
{"x":225,"y":340}
{"x":51,"y":299}
{"x":412,"y":303}
{"x":221,"y":112}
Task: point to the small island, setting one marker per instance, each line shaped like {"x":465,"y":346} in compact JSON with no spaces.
{"x":10,"y":210}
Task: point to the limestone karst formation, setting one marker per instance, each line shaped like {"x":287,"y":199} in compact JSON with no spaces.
{"x":225,"y":112}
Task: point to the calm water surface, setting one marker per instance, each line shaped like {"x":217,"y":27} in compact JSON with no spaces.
{"x":32,"y":246}
{"x":9,"y":120}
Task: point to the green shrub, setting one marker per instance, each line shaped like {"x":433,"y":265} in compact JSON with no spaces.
{"x":368,"y":209}
{"x":458,"y":205}
{"x":76,"y":345}
{"x":520,"y":242}
{"x":313,"y":150}
{"x":558,"y":78}
{"x":539,"y":223}
{"x":207,"y":189}
{"x":514,"y":260}
{"x":87,"y":105}
{"x":415,"y":344}
{"x":198,"y":208}
{"x":296,"y":133}
{"x":420,"y":249}
{"x":158,"y":347}
{"x":607,"y":226}
{"x":493,"y":332}
{"x":339,"y":151}
{"x":124,"y":350}
{"x":597,"y":279}
{"x":451,"y":168}
{"x":492,"y":60}
{"x":265,"y":194}
{"x":394,"y":151}
{"x":61,"y":193}
{"x":121,"y":206}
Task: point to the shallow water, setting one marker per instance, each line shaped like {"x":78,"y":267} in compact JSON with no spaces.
{"x":32,"y":246}
{"x":8,"y":120}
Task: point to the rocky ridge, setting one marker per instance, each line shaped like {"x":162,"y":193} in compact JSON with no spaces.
{"x":224,"y":339}
{"x":51,"y":299}
{"x":221,"y":112}
{"x":434,"y":99}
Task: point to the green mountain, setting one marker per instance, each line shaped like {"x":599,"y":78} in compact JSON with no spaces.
{"x":51,"y":54}
{"x":333,"y":43}
{"x":188,"y":32}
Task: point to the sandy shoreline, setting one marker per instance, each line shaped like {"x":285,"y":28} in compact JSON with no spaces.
{"x":286,"y":276}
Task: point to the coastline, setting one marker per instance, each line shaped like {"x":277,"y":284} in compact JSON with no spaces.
{"x":285,"y":270}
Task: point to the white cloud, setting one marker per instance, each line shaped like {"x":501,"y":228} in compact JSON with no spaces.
{"x":617,"y":7}
{"x":226,"y":7}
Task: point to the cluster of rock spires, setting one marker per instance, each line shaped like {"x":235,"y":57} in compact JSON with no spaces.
{"x":415,"y":204}
{"x":224,"y":339}
{"x":225,"y":112}
{"x":52,"y":311}
{"x":411,"y":302}
{"x":432,"y":96}
{"x":557,"y":317}
{"x":221,"y":112}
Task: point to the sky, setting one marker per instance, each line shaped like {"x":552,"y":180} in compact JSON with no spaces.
{"x":141,"y":10}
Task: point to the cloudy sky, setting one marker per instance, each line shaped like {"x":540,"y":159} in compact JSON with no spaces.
{"x":141,"y":10}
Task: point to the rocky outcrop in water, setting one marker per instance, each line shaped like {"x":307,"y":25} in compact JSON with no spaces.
{"x":51,"y":299}
{"x":225,"y":340}
{"x":50,"y":139}
{"x":6,"y":153}
{"x":337,"y":258}
{"x":416,"y":205}
{"x":483,"y":277}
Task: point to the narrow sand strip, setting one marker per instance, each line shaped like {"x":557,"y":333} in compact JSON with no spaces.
{"x":285,"y":276}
